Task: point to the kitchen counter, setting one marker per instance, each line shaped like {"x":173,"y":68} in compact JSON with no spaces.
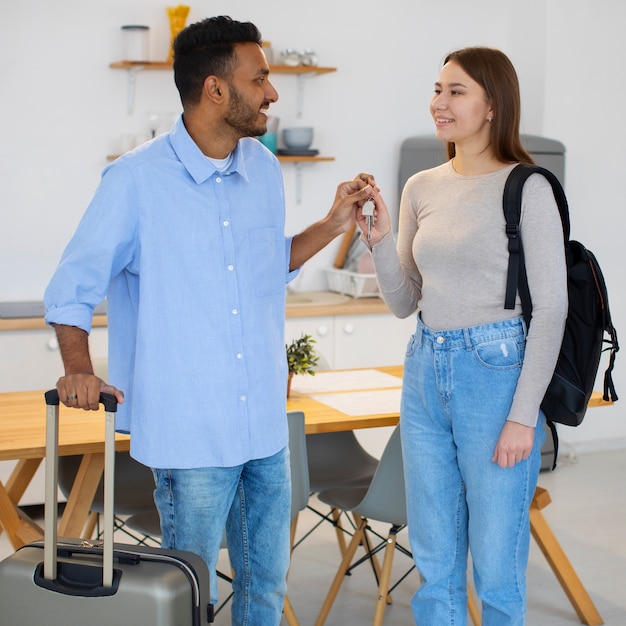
{"x":318,"y":303}
{"x":299,"y":304}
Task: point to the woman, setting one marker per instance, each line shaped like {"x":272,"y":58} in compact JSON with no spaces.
{"x":474,"y":376}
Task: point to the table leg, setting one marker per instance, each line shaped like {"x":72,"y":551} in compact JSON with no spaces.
{"x":558,"y":561}
{"x":21,"y":477}
{"x":81,"y":496}
{"x":19,"y":527}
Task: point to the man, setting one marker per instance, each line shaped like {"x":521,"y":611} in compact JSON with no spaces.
{"x":185,"y":237}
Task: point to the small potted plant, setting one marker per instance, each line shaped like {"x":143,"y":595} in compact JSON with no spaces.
{"x":301,"y":357}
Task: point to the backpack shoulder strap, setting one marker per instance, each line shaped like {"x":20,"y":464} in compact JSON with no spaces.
{"x":512,"y":207}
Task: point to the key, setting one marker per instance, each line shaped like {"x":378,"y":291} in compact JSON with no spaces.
{"x":367,"y":211}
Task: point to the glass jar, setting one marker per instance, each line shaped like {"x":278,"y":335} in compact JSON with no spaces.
{"x":135,"y":43}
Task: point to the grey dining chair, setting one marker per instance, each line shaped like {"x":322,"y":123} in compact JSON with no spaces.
{"x":133,"y":489}
{"x":336,"y":460}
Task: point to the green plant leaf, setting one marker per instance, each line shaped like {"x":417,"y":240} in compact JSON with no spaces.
{"x":301,"y":356}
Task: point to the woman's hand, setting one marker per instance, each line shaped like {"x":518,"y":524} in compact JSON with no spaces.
{"x":514,"y":444}
{"x":381,"y":222}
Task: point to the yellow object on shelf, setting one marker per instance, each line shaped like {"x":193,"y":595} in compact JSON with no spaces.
{"x":178,"y":17}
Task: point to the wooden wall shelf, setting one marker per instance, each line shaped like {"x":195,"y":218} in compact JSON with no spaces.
{"x":284,"y":159}
{"x":167,"y":65}
{"x":302,"y":159}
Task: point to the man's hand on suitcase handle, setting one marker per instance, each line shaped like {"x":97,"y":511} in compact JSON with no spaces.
{"x":82,"y":391}
{"x":80,"y":388}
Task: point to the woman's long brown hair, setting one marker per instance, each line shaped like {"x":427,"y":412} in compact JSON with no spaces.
{"x":495,"y":73}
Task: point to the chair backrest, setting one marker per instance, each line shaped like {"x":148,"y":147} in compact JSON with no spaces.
{"x":133,"y":484}
{"x":385,"y":500}
{"x":337,"y":459}
{"x":300,"y":489}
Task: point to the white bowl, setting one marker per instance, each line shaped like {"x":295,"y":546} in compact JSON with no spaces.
{"x":298,"y":138}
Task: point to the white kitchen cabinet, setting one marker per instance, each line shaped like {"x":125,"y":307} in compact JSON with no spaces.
{"x":30,"y":359}
{"x":321,"y":329}
{"x":347,"y":341}
{"x":371,"y":340}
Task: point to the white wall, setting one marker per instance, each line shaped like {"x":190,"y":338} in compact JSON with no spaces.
{"x":64,"y":110}
{"x":584,"y":86}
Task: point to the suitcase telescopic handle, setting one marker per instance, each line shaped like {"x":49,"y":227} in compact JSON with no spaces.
{"x":52,"y":468}
{"x":107,"y":399}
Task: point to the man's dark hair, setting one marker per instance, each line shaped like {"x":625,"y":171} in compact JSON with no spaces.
{"x":207,"y":48}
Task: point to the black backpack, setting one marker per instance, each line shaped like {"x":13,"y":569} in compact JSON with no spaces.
{"x":588,"y":318}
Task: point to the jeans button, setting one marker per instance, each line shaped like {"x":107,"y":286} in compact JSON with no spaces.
{"x":440,"y":339}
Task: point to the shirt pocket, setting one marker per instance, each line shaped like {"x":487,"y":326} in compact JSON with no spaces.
{"x":267,"y":254}
{"x":500,"y":354}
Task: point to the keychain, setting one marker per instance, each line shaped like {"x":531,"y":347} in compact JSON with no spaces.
{"x":367,"y":210}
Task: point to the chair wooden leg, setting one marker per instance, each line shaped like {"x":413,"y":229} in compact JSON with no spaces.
{"x":472,"y":607}
{"x":289,"y":613}
{"x":385,"y":577}
{"x":292,"y":532}
{"x":341,"y":573}
{"x":90,"y":525}
{"x":341,"y":536}
{"x":373,"y":558}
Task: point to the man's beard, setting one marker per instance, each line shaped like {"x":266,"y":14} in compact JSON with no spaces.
{"x":242,"y":117}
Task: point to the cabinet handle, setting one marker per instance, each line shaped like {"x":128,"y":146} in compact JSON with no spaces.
{"x":348,"y":329}
{"x":322,"y":330}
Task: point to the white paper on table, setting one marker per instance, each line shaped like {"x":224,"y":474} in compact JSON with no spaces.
{"x":344,"y":381}
{"x":362,"y":402}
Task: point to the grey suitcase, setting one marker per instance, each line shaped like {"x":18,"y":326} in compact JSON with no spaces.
{"x":69,"y":582}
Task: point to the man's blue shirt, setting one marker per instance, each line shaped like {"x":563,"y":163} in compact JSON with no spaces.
{"x":194,"y":264}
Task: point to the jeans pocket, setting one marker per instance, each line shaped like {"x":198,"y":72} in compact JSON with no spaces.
{"x":500,"y":354}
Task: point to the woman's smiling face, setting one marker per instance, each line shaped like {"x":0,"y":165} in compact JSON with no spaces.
{"x":460,"y":108}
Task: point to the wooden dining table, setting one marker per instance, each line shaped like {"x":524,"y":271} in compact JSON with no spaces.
{"x":22,"y":438}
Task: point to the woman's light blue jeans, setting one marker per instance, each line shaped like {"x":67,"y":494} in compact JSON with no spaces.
{"x":457,"y":391}
{"x":252,"y":501}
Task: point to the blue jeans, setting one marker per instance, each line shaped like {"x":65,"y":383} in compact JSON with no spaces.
{"x":457,"y":391}
{"x":252,"y":501}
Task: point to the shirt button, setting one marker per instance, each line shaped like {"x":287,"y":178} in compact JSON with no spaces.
{"x":225,"y":223}
{"x":239,"y":355}
{"x":440,"y":339}
{"x":243,"y":398}
{"x":234,"y":311}
{"x":218,"y":180}
{"x":230,"y":268}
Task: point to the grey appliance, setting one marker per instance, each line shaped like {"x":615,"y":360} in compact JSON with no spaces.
{"x":425,"y":151}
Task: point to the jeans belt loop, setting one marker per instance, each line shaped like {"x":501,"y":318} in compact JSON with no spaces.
{"x":467,"y":335}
